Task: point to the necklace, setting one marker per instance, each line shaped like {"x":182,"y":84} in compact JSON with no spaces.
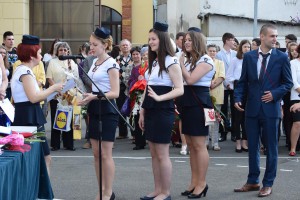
{"x":97,"y":66}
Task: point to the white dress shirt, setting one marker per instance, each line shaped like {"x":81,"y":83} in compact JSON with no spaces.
{"x":295,"y":68}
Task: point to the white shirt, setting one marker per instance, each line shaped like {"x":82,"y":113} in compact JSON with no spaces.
{"x":164,"y":78}
{"x":295,"y":68}
{"x":17,"y":88}
{"x":260,"y":59}
{"x":99,"y":74}
{"x":206,"y":79}
{"x":234,"y":71}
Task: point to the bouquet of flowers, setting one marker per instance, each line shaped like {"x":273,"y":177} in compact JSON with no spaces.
{"x":137,"y":90}
{"x":218,"y":112}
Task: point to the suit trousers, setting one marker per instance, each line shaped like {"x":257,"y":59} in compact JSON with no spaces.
{"x":267,"y":128}
{"x":67,"y":137}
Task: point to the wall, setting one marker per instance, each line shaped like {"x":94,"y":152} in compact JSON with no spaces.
{"x":267,"y":9}
{"x":142,"y":20}
{"x":14,"y":16}
{"x":115,"y":4}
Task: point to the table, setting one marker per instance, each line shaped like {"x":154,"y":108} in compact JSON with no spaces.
{"x":23,"y":176}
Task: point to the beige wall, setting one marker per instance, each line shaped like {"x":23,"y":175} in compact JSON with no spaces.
{"x":14,"y":16}
{"x":115,"y":4}
{"x":142,"y":20}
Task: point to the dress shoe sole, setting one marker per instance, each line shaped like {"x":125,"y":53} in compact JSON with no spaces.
{"x":261,"y":195}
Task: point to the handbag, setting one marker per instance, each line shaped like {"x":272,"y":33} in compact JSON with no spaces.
{"x":125,"y":110}
{"x":209,"y":113}
{"x":63,"y":118}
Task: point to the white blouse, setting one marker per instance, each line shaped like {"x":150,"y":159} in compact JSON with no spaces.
{"x":206,"y":79}
{"x":99,"y":74}
{"x":164,"y":78}
{"x":17,"y":88}
{"x":295,"y":68}
{"x":234,"y":71}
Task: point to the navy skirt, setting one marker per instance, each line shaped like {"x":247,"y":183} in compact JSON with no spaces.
{"x":159,"y":124}
{"x":31,"y":114}
{"x":109,"y":120}
{"x":195,"y":99}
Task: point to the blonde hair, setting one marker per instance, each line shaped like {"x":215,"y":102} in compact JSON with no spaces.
{"x":5,"y":59}
{"x":108,"y":41}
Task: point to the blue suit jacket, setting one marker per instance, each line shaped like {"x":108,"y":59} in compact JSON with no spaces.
{"x":277,"y":79}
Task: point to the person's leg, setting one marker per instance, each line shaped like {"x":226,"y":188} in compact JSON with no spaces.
{"x":183,"y":150}
{"x":55,"y":134}
{"x":123,"y":132}
{"x":295,"y":135}
{"x":165,"y":169}
{"x":155,"y":170}
{"x":253,"y":130}
{"x":95,"y":148}
{"x":67,"y":137}
{"x":215,"y":133}
{"x":140,"y":141}
{"x":270,"y":129}
{"x":193,"y":163}
{"x":224,"y":110}
{"x":201,"y":161}
{"x":233,"y":117}
{"x":108,"y":169}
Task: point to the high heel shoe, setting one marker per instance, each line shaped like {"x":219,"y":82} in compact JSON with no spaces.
{"x":198,"y":196}
{"x":187,"y":193}
{"x":113,"y":196}
{"x":147,"y":198}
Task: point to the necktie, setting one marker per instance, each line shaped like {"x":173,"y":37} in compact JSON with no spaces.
{"x":263,"y":66}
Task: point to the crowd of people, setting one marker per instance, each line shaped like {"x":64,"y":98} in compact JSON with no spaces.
{"x":163,"y":88}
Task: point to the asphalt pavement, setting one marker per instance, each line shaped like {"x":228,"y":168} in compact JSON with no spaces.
{"x":73,"y":175}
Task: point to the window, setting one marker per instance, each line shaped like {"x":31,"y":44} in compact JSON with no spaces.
{"x":71,"y":20}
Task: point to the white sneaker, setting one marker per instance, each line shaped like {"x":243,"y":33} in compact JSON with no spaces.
{"x":183,"y":150}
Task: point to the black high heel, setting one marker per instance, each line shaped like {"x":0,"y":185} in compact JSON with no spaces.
{"x":113,"y":196}
{"x":198,"y":196}
{"x":187,"y":193}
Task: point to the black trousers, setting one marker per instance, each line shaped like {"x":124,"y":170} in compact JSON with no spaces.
{"x":287,"y":120}
{"x":140,"y":140}
{"x":237,"y":123}
{"x":67,"y":137}
{"x":224,"y":109}
{"x":123,"y":132}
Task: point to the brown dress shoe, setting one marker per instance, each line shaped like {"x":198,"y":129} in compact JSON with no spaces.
{"x":265,"y":191}
{"x":248,"y":188}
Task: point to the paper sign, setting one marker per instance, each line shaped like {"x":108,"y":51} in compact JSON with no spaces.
{"x":69,"y":85}
{"x":8,"y":109}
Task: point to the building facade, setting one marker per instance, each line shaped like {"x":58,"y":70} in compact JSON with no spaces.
{"x":74,"y":20}
{"x":216,"y":17}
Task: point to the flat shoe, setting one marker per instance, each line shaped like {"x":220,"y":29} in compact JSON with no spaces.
{"x":292,"y":153}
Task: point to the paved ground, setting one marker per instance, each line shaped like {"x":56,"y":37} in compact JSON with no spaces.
{"x":73,"y":176}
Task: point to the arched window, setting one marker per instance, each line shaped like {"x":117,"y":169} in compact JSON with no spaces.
{"x":112,"y":20}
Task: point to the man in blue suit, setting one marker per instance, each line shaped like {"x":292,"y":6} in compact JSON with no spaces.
{"x":265,"y":78}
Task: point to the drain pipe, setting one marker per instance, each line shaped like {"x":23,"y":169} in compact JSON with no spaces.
{"x":155,"y":10}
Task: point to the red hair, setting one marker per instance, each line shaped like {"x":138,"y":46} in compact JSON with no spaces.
{"x":25,"y":52}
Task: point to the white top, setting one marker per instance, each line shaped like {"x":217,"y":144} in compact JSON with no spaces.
{"x":0,"y":77}
{"x":163,"y":79}
{"x":206,"y":79}
{"x":234,"y":71}
{"x":17,"y":89}
{"x":295,"y":68}
{"x":99,"y":74}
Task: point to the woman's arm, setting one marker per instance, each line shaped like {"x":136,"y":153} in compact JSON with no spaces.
{"x":200,"y":70}
{"x":37,"y":96}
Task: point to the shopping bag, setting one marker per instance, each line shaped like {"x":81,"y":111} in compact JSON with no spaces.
{"x":210,"y":116}
{"x":77,"y":122}
{"x":63,"y":117}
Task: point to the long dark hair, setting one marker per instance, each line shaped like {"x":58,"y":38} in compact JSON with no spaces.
{"x":240,"y":53}
{"x":198,"y":46}
{"x":165,"y":48}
